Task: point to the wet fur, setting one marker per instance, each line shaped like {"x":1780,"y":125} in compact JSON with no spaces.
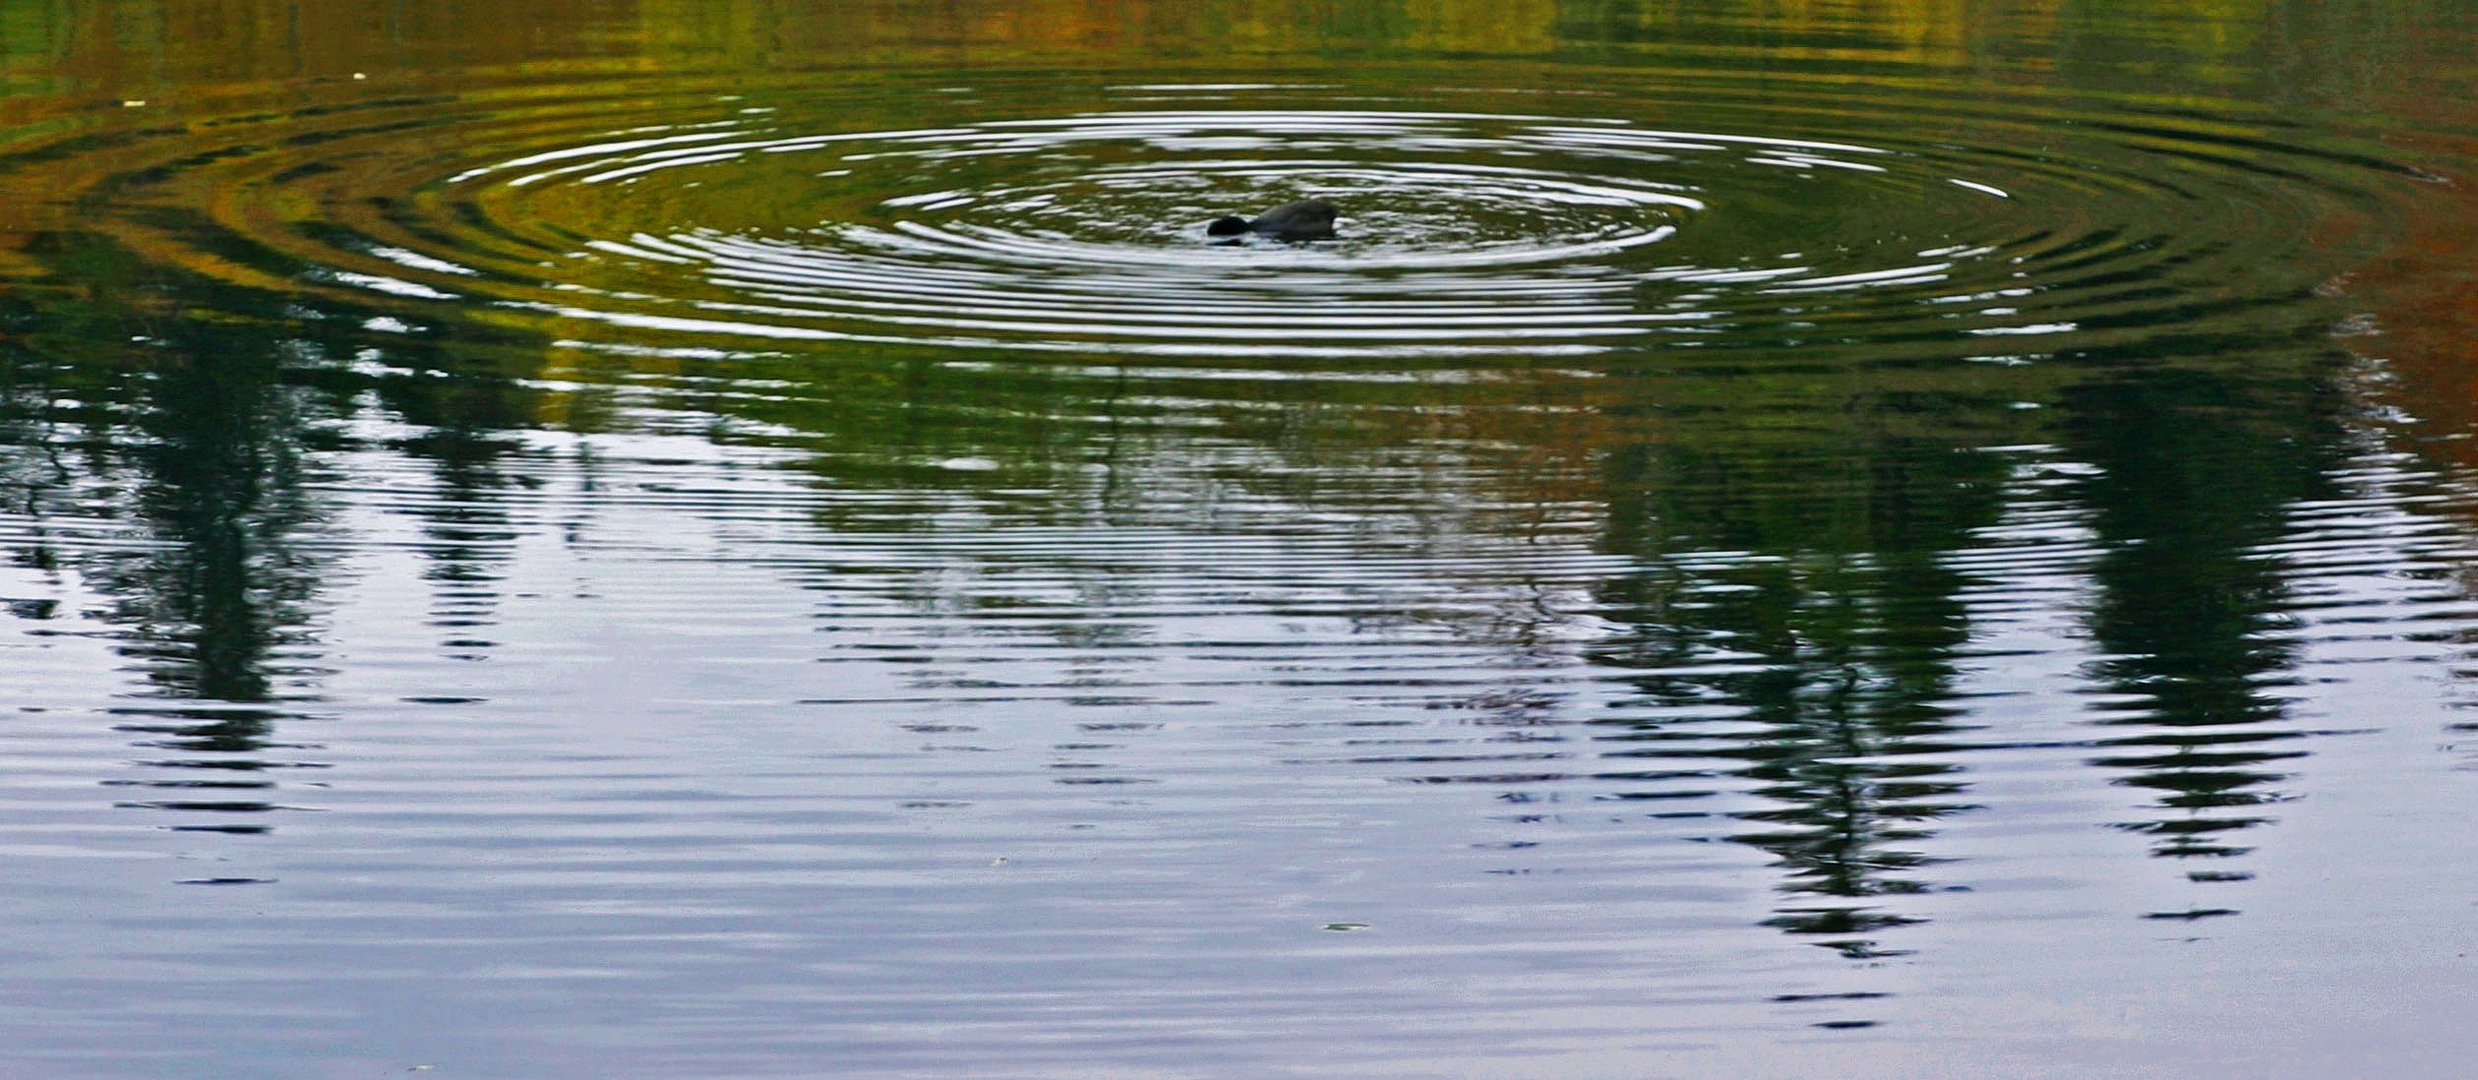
{"x":1307,"y":219}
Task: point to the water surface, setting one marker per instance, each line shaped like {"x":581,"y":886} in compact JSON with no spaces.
{"x":737,"y":539}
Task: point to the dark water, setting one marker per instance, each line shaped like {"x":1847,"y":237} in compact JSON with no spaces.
{"x":732,"y":539}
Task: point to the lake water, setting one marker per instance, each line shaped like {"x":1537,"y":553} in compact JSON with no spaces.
{"x":758,"y":538}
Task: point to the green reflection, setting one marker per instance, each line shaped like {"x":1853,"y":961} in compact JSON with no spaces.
{"x":1806,"y":635}
{"x":2196,"y":472}
{"x":1795,"y":487}
{"x":169,"y":462}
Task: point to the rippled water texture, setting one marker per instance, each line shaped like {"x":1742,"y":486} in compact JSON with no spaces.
{"x":731,"y":539}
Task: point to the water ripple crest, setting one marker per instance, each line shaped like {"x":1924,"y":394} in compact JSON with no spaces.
{"x":1056,"y":222}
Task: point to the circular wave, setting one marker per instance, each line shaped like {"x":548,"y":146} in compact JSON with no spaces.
{"x":712,"y":220}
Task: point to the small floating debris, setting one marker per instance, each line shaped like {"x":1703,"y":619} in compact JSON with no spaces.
{"x":2191,"y":915}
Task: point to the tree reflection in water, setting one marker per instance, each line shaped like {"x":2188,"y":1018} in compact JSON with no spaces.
{"x":187,"y":444}
{"x":1817,"y":656}
{"x":2194,"y":475}
{"x":183,"y":453}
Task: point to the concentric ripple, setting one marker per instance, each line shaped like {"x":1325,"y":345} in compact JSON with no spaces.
{"x":1048,"y":221}
{"x":1456,"y":237}
{"x":1719,"y":568}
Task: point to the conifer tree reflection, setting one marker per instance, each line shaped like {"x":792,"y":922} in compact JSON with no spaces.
{"x":466,"y":401}
{"x":1806,"y":640}
{"x":187,"y":437}
{"x":2193,"y":481}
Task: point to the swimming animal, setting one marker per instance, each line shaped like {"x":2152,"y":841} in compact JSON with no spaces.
{"x":1307,"y":219}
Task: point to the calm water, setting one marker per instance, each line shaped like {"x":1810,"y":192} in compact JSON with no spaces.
{"x":737,"y":538}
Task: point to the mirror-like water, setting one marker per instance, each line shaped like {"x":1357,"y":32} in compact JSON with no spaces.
{"x":730,"y":538}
